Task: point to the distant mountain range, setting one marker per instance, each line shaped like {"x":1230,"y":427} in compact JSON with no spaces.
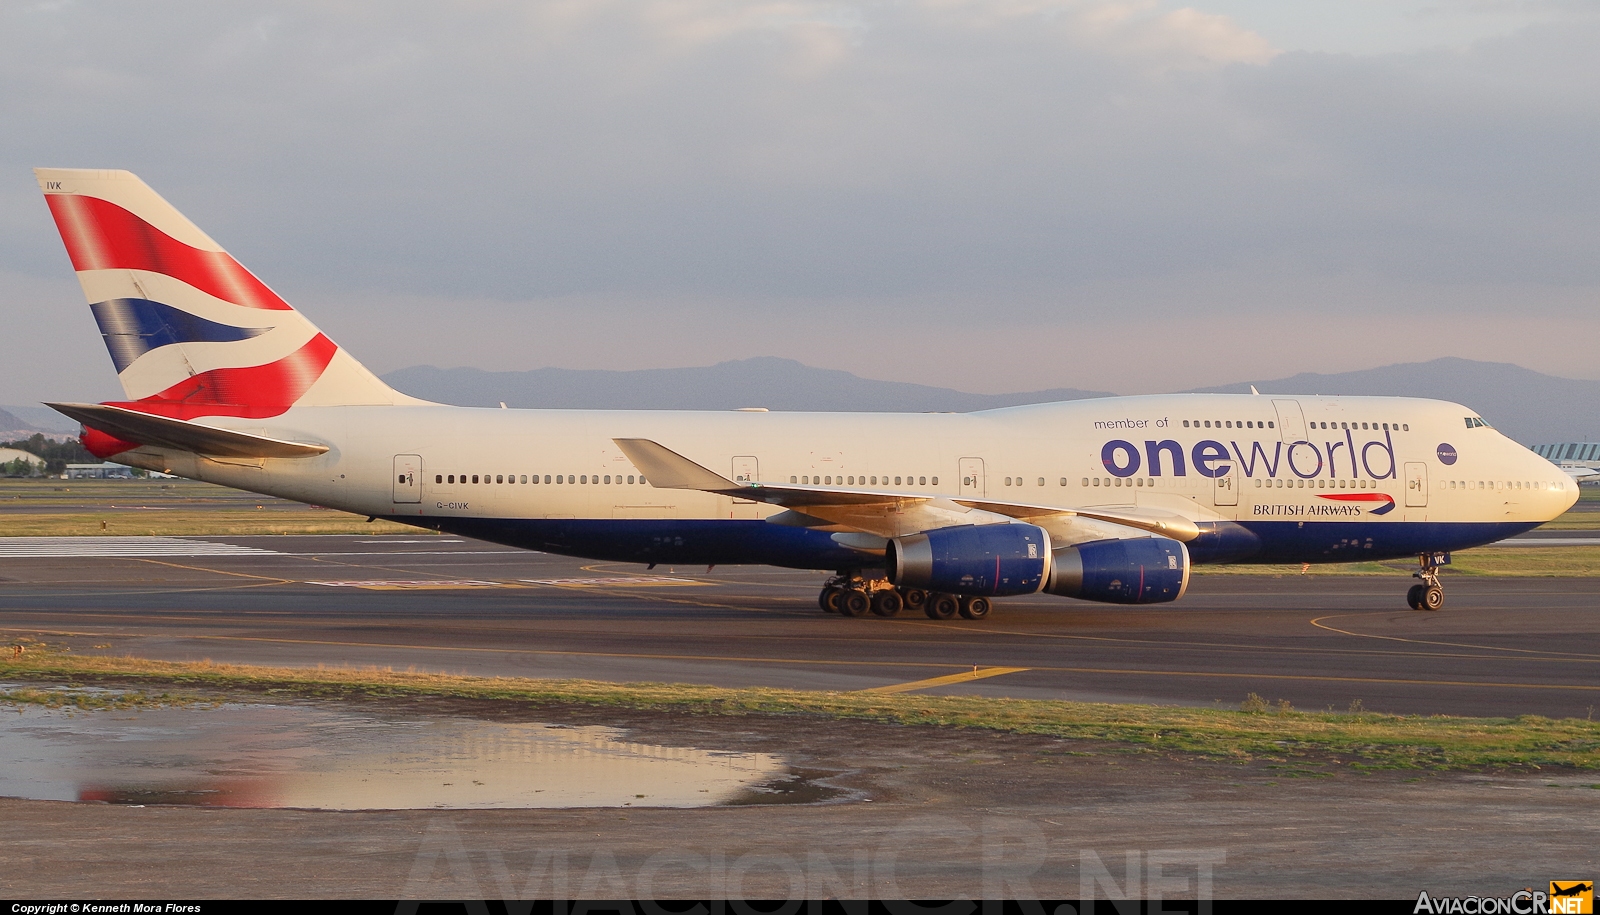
{"x":9,"y":423}
{"x":765,"y":381}
{"x":1528,"y":406}
{"x":20,"y":422}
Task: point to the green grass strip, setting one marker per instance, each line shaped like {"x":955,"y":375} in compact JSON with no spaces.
{"x":99,"y":700}
{"x":1259,"y":730}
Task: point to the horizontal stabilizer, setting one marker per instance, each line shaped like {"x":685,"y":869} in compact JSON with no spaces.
{"x":145,"y":429}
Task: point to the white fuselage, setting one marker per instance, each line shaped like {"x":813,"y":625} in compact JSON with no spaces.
{"x":1357,"y":466}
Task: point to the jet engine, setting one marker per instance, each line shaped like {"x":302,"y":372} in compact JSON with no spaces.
{"x":1143,"y":570}
{"x":992,"y":560}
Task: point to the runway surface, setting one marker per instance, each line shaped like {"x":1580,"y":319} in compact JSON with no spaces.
{"x":1503,"y":646}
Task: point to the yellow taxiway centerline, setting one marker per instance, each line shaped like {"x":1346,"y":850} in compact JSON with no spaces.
{"x":977,"y":673}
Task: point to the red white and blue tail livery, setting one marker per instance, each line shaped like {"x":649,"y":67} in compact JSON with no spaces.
{"x":1111,"y":500}
{"x":191,"y":332}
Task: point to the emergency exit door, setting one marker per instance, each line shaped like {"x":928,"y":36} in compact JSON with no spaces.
{"x":746,"y":470}
{"x":1416,"y":484}
{"x":407,"y":479}
{"x":1225,"y":491}
{"x":1291,"y":421}
{"x":971,"y":477}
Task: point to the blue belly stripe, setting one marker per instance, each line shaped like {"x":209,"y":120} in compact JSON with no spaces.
{"x":728,"y":542}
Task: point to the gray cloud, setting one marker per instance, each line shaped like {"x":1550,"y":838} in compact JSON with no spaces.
{"x":917,"y":190}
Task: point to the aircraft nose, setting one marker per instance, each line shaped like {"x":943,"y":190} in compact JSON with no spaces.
{"x":1562,"y":499}
{"x":1572,"y":493}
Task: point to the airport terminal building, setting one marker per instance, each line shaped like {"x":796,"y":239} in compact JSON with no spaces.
{"x":1576,"y":452}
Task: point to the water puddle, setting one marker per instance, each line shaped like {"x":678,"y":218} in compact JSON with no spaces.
{"x":337,"y":758}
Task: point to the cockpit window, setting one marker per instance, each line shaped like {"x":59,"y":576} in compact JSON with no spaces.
{"x":1475,"y":422}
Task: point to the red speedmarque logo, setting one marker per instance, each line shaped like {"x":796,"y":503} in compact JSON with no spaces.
{"x":1387,"y":500}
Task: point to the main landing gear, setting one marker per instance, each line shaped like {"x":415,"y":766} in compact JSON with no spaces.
{"x":1430,"y":594}
{"x":850,"y":594}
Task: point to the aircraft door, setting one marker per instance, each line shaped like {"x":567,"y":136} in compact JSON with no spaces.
{"x":1416,"y":484}
{"x":1225,"y":488}
{"x":1291,"y":421}
{"x":746,"y":469}
{"x":971,"y":478}
{"x":407,"y":478}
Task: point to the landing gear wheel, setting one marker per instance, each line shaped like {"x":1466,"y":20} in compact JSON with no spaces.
{"x":887,"y":602}
{"x":829,"y":599}
{"x":1432,"y":598}
{"x":854,"y":603}
{"x":941,"y":606}
{"x":914,"y":598}
{"x":975,"y":608}
{"x":1429,"y":595}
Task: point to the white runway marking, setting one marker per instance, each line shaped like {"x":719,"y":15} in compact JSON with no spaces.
{"x":464,"y":584}
{"x":641,"y":581}
{"x":115,"y":547}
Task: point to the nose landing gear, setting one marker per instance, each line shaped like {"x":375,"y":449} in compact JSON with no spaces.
{"x":1429,"y":595}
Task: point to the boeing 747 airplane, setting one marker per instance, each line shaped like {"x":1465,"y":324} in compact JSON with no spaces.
{"x":1109,"y":500}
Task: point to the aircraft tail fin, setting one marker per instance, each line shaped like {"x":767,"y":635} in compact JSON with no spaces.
{"x":190,"y":331}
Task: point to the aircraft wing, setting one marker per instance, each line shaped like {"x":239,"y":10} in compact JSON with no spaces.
{"x":146,"y":429}
{"x":1155,"y":521}
{"x":888,"y":513}
{"x":1580,"y":473}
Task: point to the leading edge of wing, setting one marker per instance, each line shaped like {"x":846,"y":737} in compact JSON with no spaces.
{"x":146,"y":429}
{"x":667,"y":469}
{"x":1165,"y":524}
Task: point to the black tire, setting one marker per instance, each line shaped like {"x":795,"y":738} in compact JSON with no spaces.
{"x":854,"y":603}
{"x":829,"y":599}
{"x":1414,"y":596}
{"x":887,"y":603}
{"x":941,"y":606}
{"x":914,"y":598}
{"x":975,"y":608}
{"x":1433,"y":598}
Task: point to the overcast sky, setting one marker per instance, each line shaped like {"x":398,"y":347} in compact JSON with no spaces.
{"x":993,"y":196}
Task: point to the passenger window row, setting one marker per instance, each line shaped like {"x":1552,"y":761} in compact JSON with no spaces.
{"x":1116,"y":481}
{"x":1500,"y":485}
{"x":1317,"y":484}
{"x":531,"y":479}
{"x":851,"y":480}
{"x":1374,"y":427}
{"x":1231,"y":424}
{"x":1269,"y":424}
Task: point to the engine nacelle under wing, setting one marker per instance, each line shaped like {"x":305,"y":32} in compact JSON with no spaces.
{"x":1143,"y":570}
{"x":993,"y":560}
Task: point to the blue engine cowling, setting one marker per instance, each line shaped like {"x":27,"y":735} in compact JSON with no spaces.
{"x":993,"y":560}
{"x":1144,"y":570}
